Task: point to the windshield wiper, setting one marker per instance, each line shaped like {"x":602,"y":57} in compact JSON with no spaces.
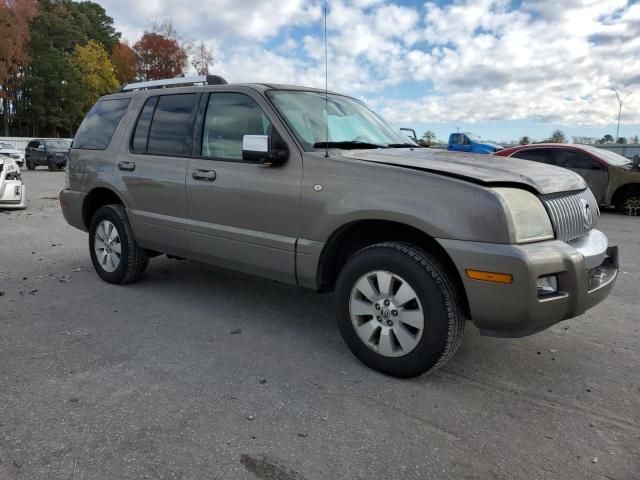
{"x":402,"y":145}
{"x":347,"y":145}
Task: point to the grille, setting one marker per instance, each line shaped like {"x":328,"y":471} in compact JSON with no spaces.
{"x":570,"y":215}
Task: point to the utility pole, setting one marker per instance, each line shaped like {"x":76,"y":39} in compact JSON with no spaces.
{"x":620,"y":103}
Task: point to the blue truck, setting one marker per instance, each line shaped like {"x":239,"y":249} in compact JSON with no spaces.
{"x":468,"y":142}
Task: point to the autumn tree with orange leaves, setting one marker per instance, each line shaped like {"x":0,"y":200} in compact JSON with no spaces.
{"x":159,"y":57}
{"x":125,"y":63}
{"x":15,"y":19}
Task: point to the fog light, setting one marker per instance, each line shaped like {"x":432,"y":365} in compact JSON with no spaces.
{"x":547,"y":285}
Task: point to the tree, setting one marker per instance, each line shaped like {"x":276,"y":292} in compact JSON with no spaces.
{"x":584,"y":140}
{"x":95,"y":70}
{"x":525,"y":140}
{"x":202,"y":58}
{"x":558,"y":136}
{"x":52,"y":100}
{"x":15,"y":19}
{"x":622,"y":140}
{"x":428,"y":138}
{"x":96,"y":24}
{"x":159,"y":57}
{"x":124,"y":62}
{"x":606,"y":139}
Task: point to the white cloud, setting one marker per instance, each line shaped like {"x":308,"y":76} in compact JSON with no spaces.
{"x":472,"y":60}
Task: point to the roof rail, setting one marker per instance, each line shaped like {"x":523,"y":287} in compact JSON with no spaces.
{"x":175,"y":82}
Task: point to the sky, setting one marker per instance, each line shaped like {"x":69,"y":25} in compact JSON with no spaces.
{"x":501,"y":69}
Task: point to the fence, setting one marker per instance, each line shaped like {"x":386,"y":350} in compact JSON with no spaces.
{"x":629,"y":150}
{"x":21,"y":142}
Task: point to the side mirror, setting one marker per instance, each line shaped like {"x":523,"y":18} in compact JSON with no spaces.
{"x":40,"y":147}
{"x":260,"y":149}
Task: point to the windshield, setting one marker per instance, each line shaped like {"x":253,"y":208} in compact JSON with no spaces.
{"x":5,"y":145}
{"x":59,"y":144}
{"x":349,"y":121}
{"x":608,"y":156}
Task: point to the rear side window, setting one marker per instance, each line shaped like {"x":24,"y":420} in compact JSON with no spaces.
{"x":141,"y":133}
{"x":574,"y":159}
{"x":542,"y":155}
{"x":171,"y":131}
{"x":100,"y":124}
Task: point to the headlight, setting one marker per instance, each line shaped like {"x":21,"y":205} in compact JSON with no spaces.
{"x":11,"y":168}
{"x":527,"y":217}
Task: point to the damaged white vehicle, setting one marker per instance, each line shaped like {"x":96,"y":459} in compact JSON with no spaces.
{"x":13,"y":194}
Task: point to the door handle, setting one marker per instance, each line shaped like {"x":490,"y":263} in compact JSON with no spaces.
{"x":127,"y":166}
{"x":208,"y":175}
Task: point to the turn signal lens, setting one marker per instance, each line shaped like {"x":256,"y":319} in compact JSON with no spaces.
{"x":490,"y":276}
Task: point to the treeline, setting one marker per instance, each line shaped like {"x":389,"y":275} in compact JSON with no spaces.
{"x":57,"y":57}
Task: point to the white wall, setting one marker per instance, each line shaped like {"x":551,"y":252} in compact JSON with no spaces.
{"x":20,"y":142}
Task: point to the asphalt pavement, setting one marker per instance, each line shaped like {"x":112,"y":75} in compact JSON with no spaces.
{"x":199,"y":373}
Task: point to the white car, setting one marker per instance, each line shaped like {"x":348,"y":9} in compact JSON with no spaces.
{"x":13,"y":193}
{"x":9,"y":150}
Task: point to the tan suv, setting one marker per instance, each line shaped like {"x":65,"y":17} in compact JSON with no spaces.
{"x":318,"y":191}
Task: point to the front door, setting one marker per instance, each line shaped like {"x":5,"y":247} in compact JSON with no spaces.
{"x":243,"y":215}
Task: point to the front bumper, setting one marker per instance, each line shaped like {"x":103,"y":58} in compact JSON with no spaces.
{"x":13,"y":194}
{"x":586,"y":273}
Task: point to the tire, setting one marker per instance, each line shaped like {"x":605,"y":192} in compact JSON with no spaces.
{"x":628,"y":202}
{"x":51,"y":164}
{"x":436,"y":298}
{"x":30,"y":164}
{"x":132,"y":260}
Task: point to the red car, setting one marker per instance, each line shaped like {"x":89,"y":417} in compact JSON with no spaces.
{"x":613,"y":179}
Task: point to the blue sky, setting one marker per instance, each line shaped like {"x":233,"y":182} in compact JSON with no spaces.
{"x":499,"y":68}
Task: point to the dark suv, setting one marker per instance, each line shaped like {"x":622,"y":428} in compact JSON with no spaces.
{"x":53,"y":153}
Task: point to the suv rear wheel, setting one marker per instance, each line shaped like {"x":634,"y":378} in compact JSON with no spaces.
{"x":115,"y":254}
{"x":398,"y":310}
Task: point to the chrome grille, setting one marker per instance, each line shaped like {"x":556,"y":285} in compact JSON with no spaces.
{"x":569,"y":213}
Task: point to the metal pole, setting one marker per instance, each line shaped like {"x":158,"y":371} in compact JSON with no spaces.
{"x":619,"y":114}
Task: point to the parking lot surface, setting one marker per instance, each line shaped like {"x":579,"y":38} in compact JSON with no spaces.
{"x":198,"y":373}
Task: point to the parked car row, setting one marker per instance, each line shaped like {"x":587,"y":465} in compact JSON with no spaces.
{"x":52,"y":153}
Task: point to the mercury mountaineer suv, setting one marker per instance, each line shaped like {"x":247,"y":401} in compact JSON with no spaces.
{"x":317,"y":190}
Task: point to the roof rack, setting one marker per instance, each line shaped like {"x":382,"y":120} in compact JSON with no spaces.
{"x":175,"y":82}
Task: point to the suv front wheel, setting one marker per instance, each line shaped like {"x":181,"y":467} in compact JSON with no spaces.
{"x":115,"y":254}
{"x":398,"y":310}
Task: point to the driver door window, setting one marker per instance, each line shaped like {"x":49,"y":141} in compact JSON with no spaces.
{"x":229,"y":117}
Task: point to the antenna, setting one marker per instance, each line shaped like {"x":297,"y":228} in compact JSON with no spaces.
{"x":326,"y":85}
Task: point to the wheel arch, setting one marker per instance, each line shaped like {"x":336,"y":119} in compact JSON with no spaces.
{"x":96,"y":198}
{"x":622,"y":189}
{"x":356,"y":235}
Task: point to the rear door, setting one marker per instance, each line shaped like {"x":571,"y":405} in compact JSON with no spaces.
{"x":243,"y":215}
{"x":595,"y":174}
{"x":153,"y":170}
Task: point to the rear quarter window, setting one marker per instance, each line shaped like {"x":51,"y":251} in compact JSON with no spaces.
{"x":100,"y":124}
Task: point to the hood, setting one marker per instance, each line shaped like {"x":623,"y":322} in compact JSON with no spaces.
{"x":13,"y":152}
{"x":494,"y":145}
{"x":482,"y":169}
